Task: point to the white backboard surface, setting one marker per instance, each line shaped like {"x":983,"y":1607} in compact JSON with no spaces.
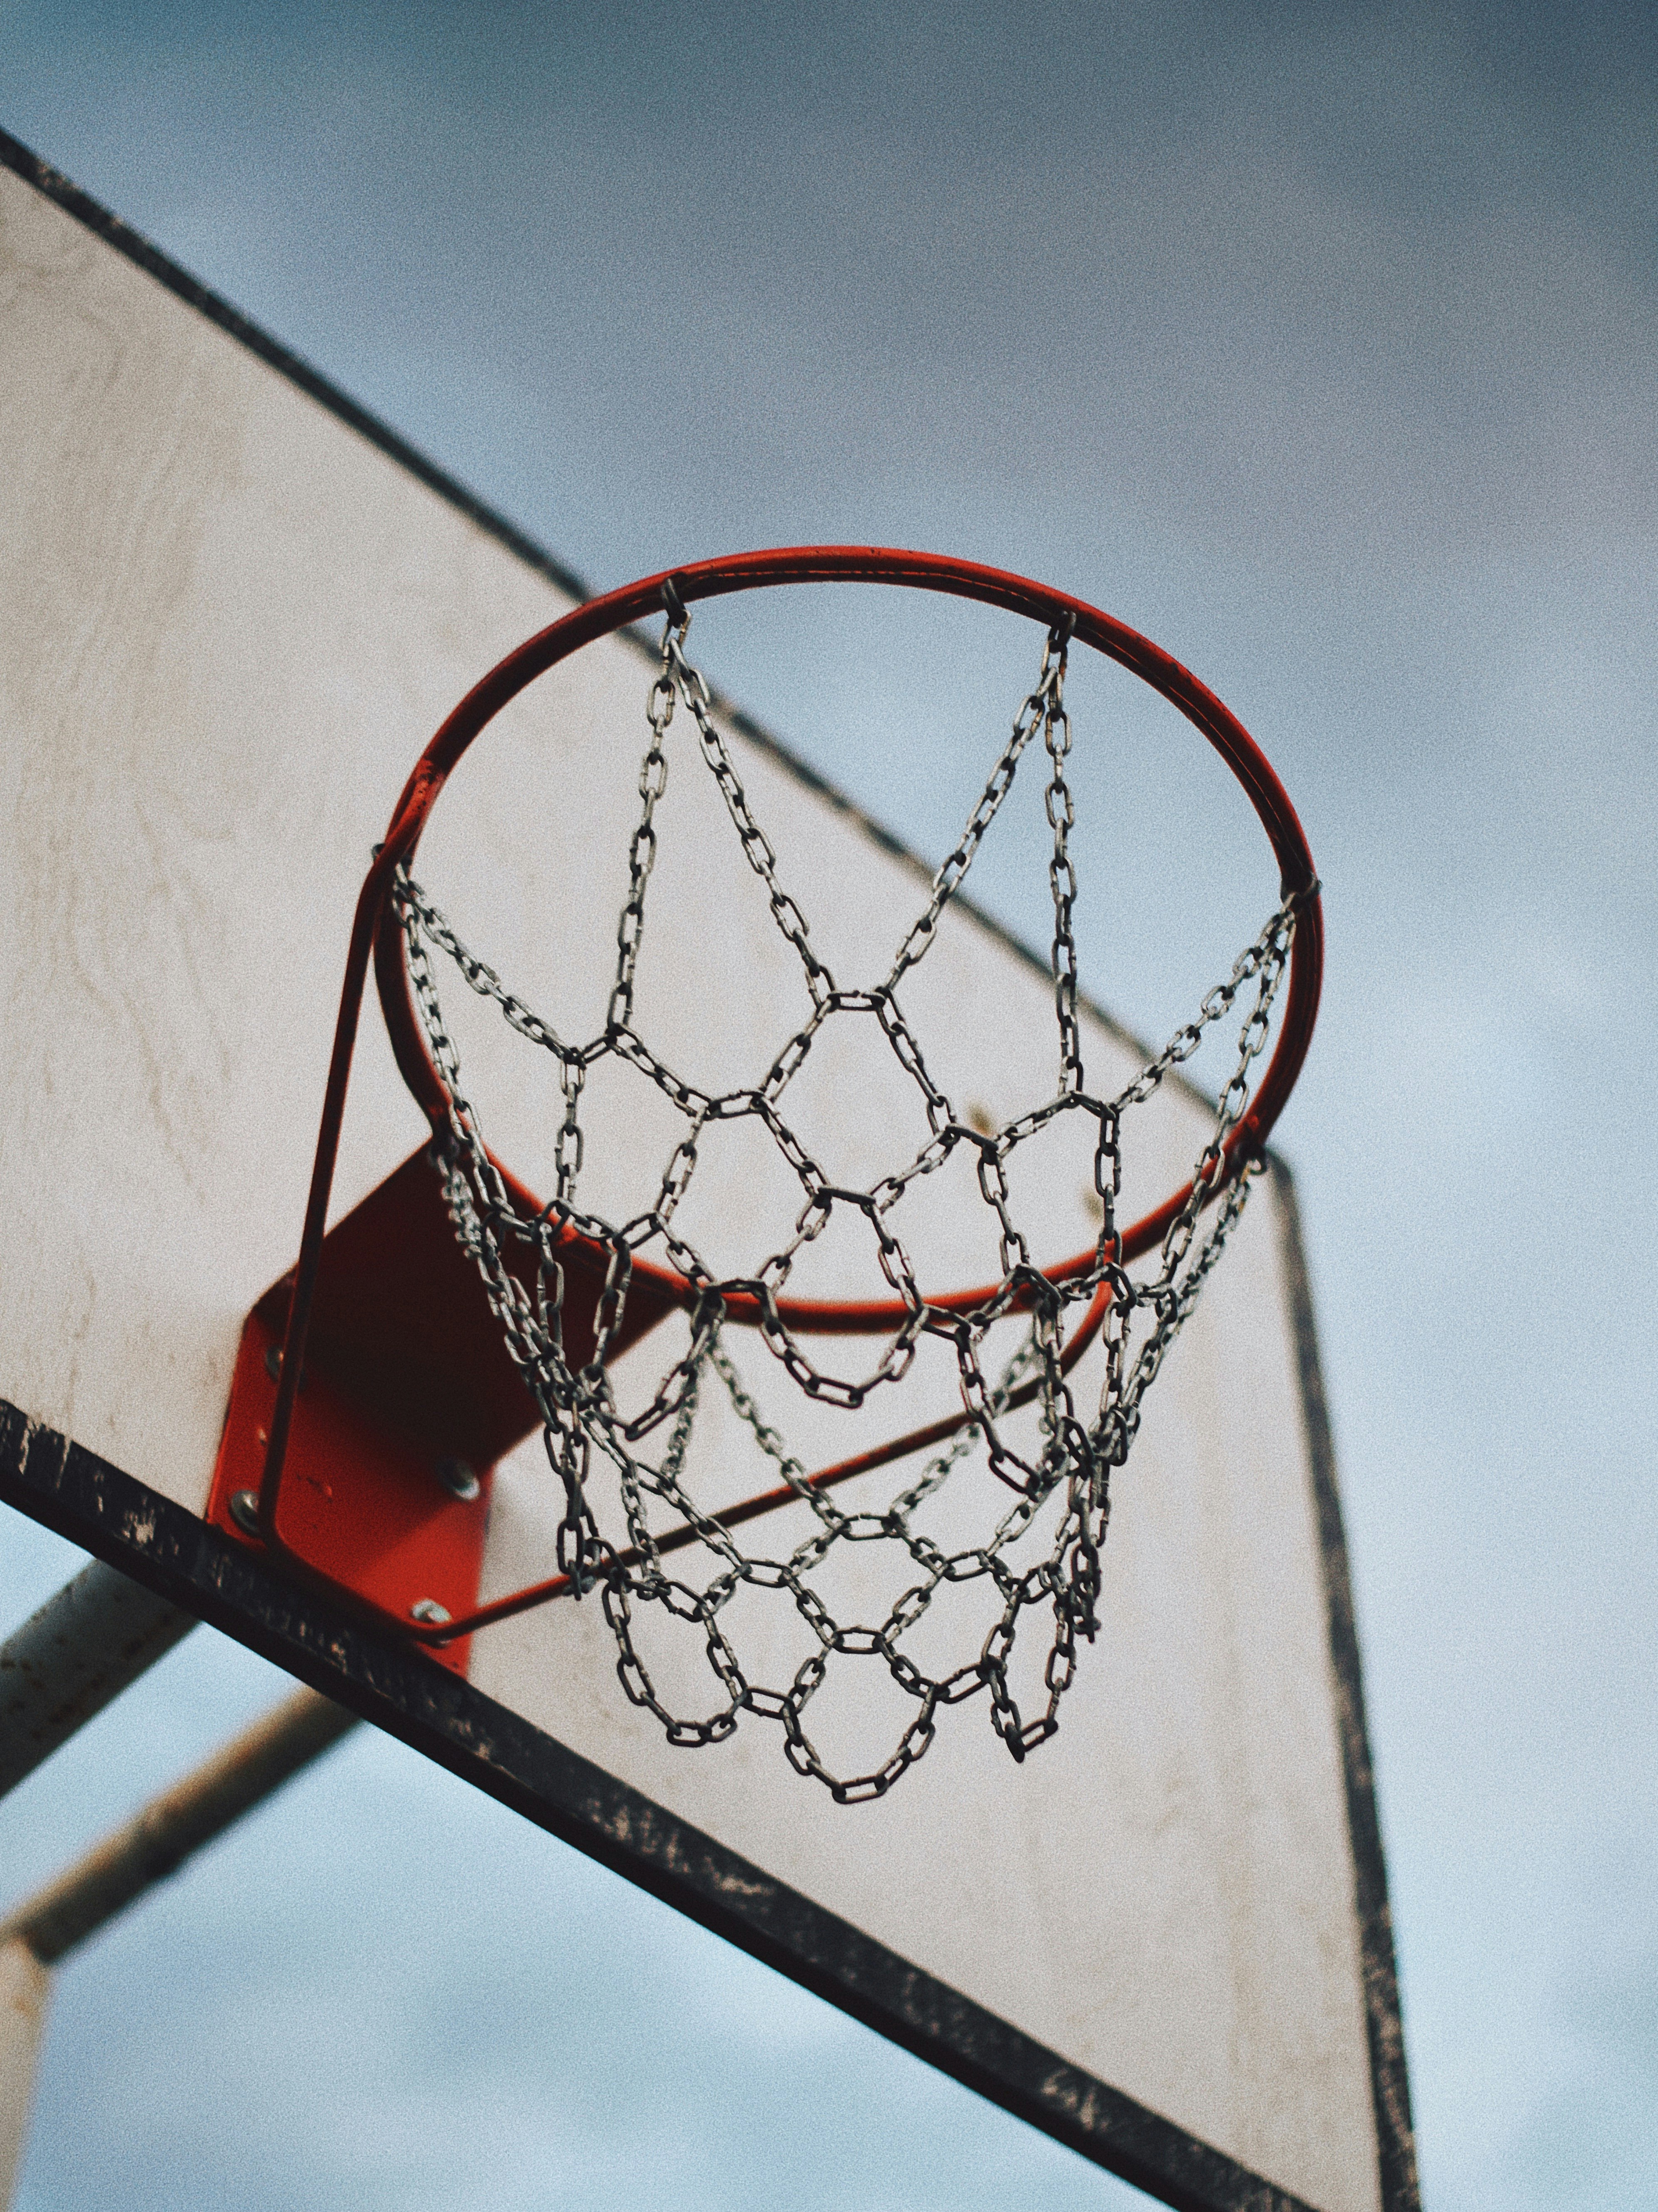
{"x":231,"y":613}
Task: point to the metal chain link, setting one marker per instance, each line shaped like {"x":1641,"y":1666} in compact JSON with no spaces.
{"x":1062,"y":871}
{"x":1042,"y":1555}
{"x":756,"y":845}
{"x":642,"y":853}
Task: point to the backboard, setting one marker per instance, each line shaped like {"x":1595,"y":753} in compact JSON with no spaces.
{"x":235,"y":610}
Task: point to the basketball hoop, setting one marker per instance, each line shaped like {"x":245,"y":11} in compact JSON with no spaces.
{"x":569,"y":1290}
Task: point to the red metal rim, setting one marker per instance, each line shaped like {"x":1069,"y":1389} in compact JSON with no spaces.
{"x":601,"y":617}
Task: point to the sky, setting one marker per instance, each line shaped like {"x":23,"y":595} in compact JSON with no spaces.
{"x":1318,"y":344}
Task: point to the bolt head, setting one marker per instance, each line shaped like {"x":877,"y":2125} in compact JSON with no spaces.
{"x":244,"y":1512}
{"x":429,"y":1610}
{"x":459,"y":1479}
{"x":273,"y":1366}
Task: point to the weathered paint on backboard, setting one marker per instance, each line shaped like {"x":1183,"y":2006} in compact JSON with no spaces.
{"x":233,"y":610}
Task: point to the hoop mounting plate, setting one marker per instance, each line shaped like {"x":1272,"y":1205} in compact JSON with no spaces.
{"x":405,"y":1381}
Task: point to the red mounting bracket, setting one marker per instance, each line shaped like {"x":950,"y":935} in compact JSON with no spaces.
{"x":408,"y":1398}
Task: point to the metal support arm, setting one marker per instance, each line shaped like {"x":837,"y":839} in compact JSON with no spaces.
{"x":83,"y":1648}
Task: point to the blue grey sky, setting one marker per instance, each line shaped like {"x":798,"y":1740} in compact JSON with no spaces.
{"x":1319,"y":344}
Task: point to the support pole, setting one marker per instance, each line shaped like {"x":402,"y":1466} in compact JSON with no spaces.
{"x":177,"y":1824}
{"x":83,"y":1647}
{"x":25,"y":1985}
{"x":46,"y":1926}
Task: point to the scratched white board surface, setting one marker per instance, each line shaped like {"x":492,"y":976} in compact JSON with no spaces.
{"x":229,"y":623}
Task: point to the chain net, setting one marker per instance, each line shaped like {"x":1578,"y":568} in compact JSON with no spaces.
{"x":1038,"y":1553}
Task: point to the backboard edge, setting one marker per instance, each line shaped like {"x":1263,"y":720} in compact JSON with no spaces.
{"x":1384,"y":2022}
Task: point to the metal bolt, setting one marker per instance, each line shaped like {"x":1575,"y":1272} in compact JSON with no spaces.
{"x":273,"y":1366}
{"x":458,"y":1479}
{"x":429,"y":1610}
{"x":244,"y":1512}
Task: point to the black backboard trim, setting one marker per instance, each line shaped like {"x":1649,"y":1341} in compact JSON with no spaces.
{"x":1384,"y":2025}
